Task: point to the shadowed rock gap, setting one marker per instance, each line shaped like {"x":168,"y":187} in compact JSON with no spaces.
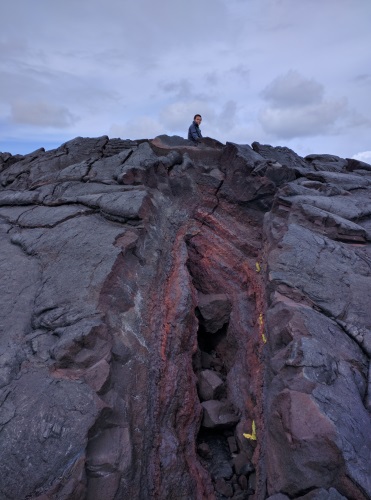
{"x":226,"y":347}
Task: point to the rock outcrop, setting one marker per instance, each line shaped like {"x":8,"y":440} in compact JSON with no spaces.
{"x":184,"y":322}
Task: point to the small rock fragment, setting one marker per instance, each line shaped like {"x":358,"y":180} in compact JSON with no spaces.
{"x":224,"y":488}
{"x":203,"y":450}
{"x":242,"y":464}
{"x":278,"y":496}
{"x":206,"y":360}
{"x":232,"y":444}
{"x":215,"y":310}
{"x":219,"y":414}
{"x":242,"y":481}
{"x":210,"y":385}
{"x":322,"y":494}
{"x":252,"y":481}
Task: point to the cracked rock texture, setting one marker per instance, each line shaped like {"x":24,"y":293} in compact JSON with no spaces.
{"x":183,"y":322}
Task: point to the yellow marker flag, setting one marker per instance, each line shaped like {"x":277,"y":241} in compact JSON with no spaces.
{"x":251,"y":436}
{"x":264,"y":338}
{"x":257,"y":265}
{"x":260,"y":320}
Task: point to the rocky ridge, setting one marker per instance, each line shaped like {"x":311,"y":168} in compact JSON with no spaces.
{"x":184,"y":322}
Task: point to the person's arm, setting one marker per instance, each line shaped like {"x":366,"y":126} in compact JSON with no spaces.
{"x":195,"y":136}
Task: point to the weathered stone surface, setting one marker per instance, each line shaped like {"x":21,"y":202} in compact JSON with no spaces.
{"x":203,"y":450}
{"x":232,"y":445}
{"x":283,"y":155}
{"x":219,"y":414}
{"x":224,"y":488}
{"x":242,"y":464}
{"x":218,"y":459}
{"x":240,"y":186}
{"x":37,"y":426}
{"x":357,"y":165}
{"x":215,"y":310}
{"x":329,"y":163}
{"x":319,"y":370}
{"x":322,"y":494}
{"x":139,"y":278}
{"x":209,"y":385}
{"x":243,"y":482}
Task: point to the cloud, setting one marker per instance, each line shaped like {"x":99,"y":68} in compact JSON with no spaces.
{"x":224,"y":78}
{"x":179,"y":115}
{"x":242,"y":71}
{"x":364,"y":78}
{"x":227,"y":116}
{"x":363,"y":156}
{"x":175,"y":118}
{"x":12,"y":48}
{"x":297,"y":108}
{"x":212,"y":78}
{"x":41,"y":114}
{"x":182,"y":88}
{"x":307,"y":121}
{"x":293,"y":90}
{"x":142,"y":127}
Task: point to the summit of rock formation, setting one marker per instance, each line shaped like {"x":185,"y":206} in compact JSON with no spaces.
{"x":183,"y":322}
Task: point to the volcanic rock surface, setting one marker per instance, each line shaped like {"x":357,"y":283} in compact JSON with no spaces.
{"x":184,"y":322}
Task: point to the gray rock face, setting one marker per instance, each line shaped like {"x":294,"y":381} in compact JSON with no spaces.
{"x":184,"y":322}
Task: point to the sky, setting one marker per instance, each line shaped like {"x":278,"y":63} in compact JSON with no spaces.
{"x":293,"y":73}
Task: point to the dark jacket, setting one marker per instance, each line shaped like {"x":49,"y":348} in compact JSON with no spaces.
{"x":194,"y":133}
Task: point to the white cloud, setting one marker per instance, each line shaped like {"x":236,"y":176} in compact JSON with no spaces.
{"x":363,"y":156}
{"x":41,"y":114}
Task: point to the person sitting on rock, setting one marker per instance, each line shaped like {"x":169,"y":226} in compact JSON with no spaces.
{"x":194,"y":132}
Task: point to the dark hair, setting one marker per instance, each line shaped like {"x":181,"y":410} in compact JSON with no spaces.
{"x":195,"y":116}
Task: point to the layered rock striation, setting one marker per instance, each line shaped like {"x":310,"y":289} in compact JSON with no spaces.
{"x":184,"y":322}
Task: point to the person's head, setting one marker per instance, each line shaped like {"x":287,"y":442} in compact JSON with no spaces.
{"x":197,"y":119}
